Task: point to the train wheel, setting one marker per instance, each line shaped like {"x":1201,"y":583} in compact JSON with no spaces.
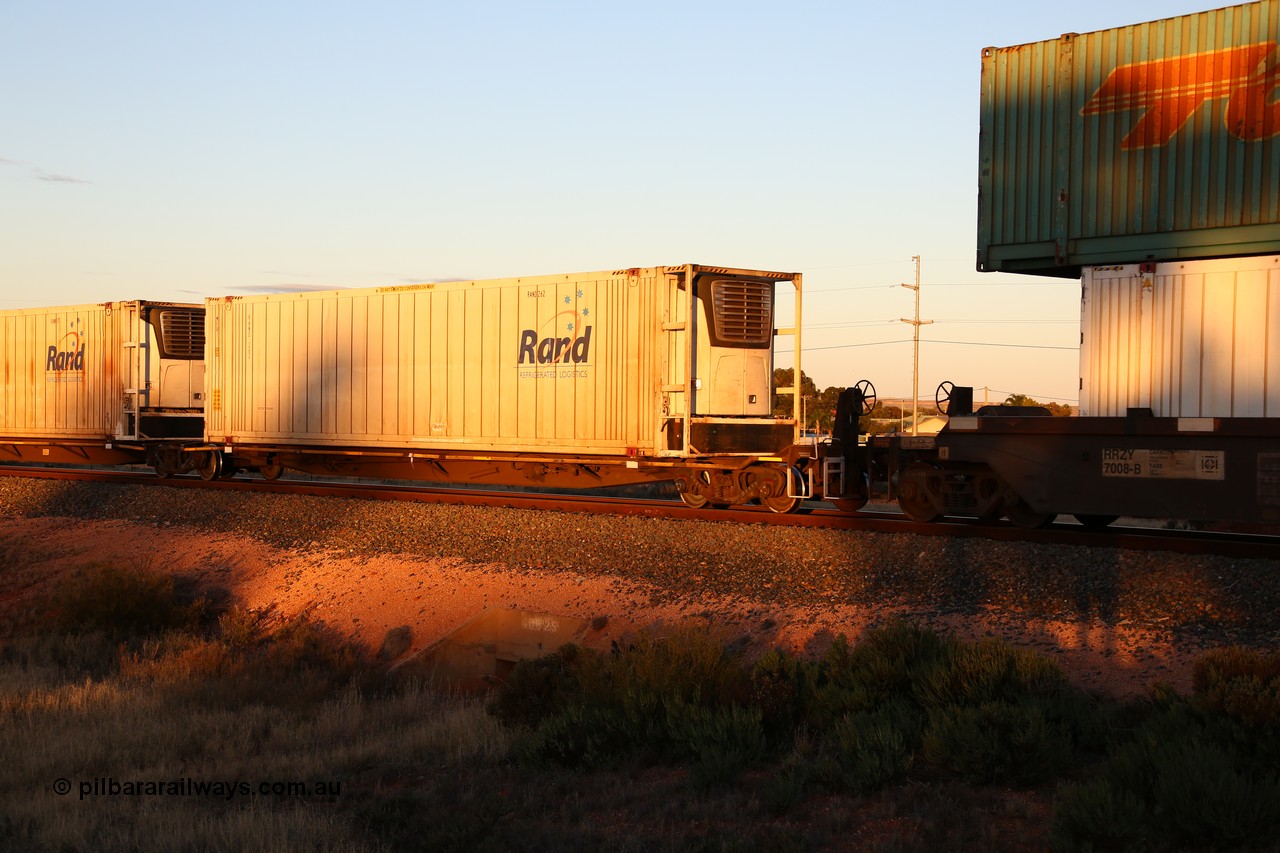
{"x":783,"y":503}
{"x":849,"y":504}
{"x":913,"y":495}
{"x":1095,"y":522}
{"x":693,"y":500}
{"x":271,"y":472}
{"x":773,"y":488}
{"x":210,"y":465}
{"x":1022,"y":515}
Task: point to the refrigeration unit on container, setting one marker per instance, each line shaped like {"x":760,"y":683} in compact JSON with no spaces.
{"x":664,"y":362}
{"x":1156,"y":141}
{"x":97,"y":383}
{"x":1194,"y":339}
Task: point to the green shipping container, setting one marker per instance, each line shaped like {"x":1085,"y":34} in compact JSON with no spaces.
{"x":1150,"y":142}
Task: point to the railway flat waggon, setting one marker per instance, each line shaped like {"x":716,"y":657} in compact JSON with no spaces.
{"x":577,"y":380}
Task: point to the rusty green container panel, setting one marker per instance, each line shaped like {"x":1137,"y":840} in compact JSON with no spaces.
{"x":1151,"y":142}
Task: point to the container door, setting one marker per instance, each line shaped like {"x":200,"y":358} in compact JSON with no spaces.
{"x":134,"y":351}
{"x":677,"y":355}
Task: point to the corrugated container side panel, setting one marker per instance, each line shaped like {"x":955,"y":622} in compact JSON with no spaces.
{"x":297,"y":382}
{"x":1164,"y":144}
{"x":332,"y":395}
{"x":402,"y":313}
{"x":489,"y":357}
{"x":448,"y":393}
{"x":428,"y":330}
{"x":505,"y":350}
{"x":610,"y":418}
{"x":1194,"y":339}
{"x":1216,"y":349}
{"x":360,"y":365}
{"x":560,"y":420}
{"x":1250,"y":345}
{"x":1192,"y":362}
{"x":467,"y":367}
{"x":444,"y":365}
{"x":9,"y":371}
{"x":345,"y":376}
{"x":384,"y":323}
{"x":257,"y":318}
{"x":1272,"y":398}
{"x":84,"y":399}
{"x":645,"y":309}
{"x":583,"y":419}
{"x":370,"y":320}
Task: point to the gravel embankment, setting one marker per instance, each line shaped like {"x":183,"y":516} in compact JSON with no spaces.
{"x":1208,"y":599}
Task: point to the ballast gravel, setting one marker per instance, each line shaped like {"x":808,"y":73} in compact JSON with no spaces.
{"x":1206,"y":600}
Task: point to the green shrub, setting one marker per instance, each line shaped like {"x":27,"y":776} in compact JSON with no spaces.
{"x":722,"y":742}
{"x":779,"y":684}
{"x":881,"y":668}
{"x":676,"y":698}
{"x":1098,"y":815}
{"x":537,"y":688}
{"x":868,"y":750}
{"x":1241,"y":683}
{"x":985,"y":671}
{"x":582,"y":736}
{"x":984,"y":711}
{"x":1186,"y":778}
{"x":690,"y":666}
{"x":120,"y":602}
{"x":997,"y":742}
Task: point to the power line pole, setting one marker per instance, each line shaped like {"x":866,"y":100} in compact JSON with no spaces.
{"x":915,"y":362}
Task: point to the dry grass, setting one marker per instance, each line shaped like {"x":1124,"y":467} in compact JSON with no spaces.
{"x":136,"y":713}
{"x":130,"y":725}
{"x":251,"y":698}
{"x":124,"y":730}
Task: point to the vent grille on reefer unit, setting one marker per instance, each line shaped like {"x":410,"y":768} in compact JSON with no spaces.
{"x":743,"y":311}
{"x":182,"y":333}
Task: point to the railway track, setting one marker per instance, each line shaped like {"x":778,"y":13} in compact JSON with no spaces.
{"x":817,"y":514}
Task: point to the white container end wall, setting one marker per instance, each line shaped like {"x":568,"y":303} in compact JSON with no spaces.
{"x":1183,"y":338}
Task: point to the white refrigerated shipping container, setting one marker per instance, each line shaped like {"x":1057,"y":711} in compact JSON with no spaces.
{"x":663,"y":361}
{"x":1183,"y":338}
{"x":81,"y":378}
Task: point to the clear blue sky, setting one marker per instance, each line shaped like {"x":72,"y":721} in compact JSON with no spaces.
{"x":174,"y":151}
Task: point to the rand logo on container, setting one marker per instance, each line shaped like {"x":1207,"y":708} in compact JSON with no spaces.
{"x":563,"y":339}
{"x":64,"y":360}
{"x":1169,"y":91}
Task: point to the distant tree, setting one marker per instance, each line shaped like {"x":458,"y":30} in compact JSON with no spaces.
{"x":822,"y":409}
{"x":885,"y":412}
{"x":783,"y":377}
{"x":1060,"y":410}
{"x":819,"y":406}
